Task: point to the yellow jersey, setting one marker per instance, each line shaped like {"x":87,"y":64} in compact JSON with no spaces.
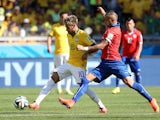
{"x":81,"y":38}
{"x":61,"y":41}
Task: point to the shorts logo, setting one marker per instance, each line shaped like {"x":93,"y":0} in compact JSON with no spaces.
{"x":76,"y":40}
{"x":81,"y":74}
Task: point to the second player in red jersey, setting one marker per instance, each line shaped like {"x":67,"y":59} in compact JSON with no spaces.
{"x":132,"y":41}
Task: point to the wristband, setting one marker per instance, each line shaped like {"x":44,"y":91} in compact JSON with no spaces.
{"x":86,"y":48}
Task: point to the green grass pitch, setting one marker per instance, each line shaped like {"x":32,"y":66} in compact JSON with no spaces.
{"x":128,"y":105}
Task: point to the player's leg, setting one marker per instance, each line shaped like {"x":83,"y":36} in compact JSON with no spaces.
{"x":78,"y":73}
{"x":44,"y":92}
{"x":141,"y":90}
{"x":116,"y":90}
{"x":97,"y":100}
{"x":58,"y":60}
{"x":80,"y":92}
{"x":68,"y":80}
{"x":135,"y":68}
{"x":58,"y":74}
{"x":123,"y":73}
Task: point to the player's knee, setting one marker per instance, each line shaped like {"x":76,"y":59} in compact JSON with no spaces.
{"x":55,"y":77}
{"x":128,"y":81}
{"x":137,"y":73}
{"x":84,"y":80}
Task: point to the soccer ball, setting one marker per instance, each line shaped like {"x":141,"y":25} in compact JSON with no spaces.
{"x":20,"y":102}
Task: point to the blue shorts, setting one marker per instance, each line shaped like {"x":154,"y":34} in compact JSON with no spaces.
{"x":134,"y":65}
{"x":109,"y":67}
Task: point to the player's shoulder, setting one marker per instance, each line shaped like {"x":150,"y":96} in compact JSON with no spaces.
{"x":138,"y":32}
{"x":55,"y":25}
{"x":82,"y":33}
{"x":115,"y":29}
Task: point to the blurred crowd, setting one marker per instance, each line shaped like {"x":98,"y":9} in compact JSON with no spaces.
{"x":36,"y":17}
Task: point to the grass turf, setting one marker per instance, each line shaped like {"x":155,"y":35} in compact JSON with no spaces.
{"x":128,"y":105}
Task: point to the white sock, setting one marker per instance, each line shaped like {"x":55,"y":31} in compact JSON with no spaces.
{"x":95,"y":98}
{"x":68,"y":81}
{"x":59,"y":86}
{"x":45,"y":91}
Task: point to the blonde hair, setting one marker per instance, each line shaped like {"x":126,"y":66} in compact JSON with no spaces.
{"x":71,"y":20}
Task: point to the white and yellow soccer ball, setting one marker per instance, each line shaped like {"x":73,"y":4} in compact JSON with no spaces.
{"x":20,"y":102}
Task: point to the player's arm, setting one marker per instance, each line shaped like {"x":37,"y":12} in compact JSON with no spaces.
{"x":139,"y":48}
{"x":102,"y":11}
{"x":138,"y":53}
{"x":85,"y":55}
{"x":92,"y":50}
{"x":49,"y":42}
{"x":100,"y":46}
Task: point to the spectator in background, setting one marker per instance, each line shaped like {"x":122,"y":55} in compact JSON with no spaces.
{"x":7,"y":4}
{"x":30,"y":14}
{"x":29,"y":9}
{"x":17,"y":15}
{"x":25,"y":27}
{"x":33,"y":30}
{"x":132,"y":41}
{"x":55,"y":14}
{"x":126,"y":11}
{"x":150,"y":21}
{"x":2,"y":11}
{"x":8,"y":19}
{"x":93,"y":6}
{"x":12,"y":31}
{"x":137,"y":8}
{"x":61,"y":52}
{"x":46,"y":28}
{"x":2,"y":17}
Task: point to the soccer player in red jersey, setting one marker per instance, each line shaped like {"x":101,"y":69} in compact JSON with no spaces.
{"x":132,"y":41}
{"x":110,"y":63}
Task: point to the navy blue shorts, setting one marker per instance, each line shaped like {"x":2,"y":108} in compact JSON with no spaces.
{"x":109,"y":67}
{"x":134,"y":65}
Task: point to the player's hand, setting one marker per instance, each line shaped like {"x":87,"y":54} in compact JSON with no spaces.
{"x":49,"y":50}
{"x":136,"y":58}
{"x":80,"y":47}
{"x":101,"y":10}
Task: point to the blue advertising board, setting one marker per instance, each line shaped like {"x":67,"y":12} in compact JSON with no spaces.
{"x":29,"y":72}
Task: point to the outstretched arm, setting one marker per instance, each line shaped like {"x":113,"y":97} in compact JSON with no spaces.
{"x":101,"y":45}
{"x":101,"y":10}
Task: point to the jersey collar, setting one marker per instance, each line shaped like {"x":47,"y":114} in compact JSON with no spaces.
{"x":115,"y":25}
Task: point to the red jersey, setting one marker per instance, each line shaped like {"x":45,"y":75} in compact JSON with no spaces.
{"x":130,"y":41}
{"x":113,"y":36}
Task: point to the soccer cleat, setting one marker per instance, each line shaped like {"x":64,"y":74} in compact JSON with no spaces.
{"x":116,"y":90}
{"x":102,"y":110}
{"x":69,"y":92}
{"x":154,"y":105}
{"x":34,"y":105}
{"x":68,"y":103}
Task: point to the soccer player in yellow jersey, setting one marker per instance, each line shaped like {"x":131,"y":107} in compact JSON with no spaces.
{"x":75,"y":66}
{"x":61,"y":52}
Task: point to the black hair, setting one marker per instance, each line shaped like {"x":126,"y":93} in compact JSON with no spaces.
{"x":64,"y":12}
{"x":130,"y":18}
